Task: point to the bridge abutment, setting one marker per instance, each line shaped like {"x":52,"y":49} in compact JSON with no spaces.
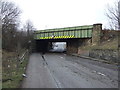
{"x":97,"y":28}
{"x":72,"y":46}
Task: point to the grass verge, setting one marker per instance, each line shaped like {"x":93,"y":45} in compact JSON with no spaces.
{"x":12,"y":71}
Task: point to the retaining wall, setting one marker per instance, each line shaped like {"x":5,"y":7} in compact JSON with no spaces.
{"x":111,"y":55}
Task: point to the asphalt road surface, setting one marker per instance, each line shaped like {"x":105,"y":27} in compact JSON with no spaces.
{"x":58,"y":70}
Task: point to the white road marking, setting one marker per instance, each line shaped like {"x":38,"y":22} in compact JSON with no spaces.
{"x":94,"y":71}
{"x":61,"y":57}
{"x":64,"y":54}
{"x":101,"y":74}
{"x":58,"y":84}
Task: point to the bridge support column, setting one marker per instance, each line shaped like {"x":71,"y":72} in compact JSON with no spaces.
{"x":96,"y":34}
{"x":49,"y":45}
{"x":72,"y":46}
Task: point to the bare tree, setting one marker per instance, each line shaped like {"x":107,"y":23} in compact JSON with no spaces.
{"x":29,"y":28}
{"x":113,"y":14}
{"x":9,"y":14}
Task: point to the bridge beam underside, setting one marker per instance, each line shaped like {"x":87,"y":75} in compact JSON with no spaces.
{"x":72,"y":44}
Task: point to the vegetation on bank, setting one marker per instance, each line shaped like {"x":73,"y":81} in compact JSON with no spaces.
{"x":14,"y":39}
{"x":111,"y":43}
{"x":13,"y":68}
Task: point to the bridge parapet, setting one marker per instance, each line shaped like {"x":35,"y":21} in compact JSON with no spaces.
{"x":62,"y":33}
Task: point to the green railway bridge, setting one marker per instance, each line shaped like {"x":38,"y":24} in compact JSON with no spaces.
{"x":73,"y":36}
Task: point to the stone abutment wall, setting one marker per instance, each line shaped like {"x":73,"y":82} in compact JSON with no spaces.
{"x":111,"y":55}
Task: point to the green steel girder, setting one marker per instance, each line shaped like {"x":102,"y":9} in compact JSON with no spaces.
{"x":68,"y":32}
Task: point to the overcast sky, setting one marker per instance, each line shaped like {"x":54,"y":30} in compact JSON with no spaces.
{"x":47,"y":14}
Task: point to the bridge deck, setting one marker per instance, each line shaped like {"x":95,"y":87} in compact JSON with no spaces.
{"x":68,"y":32}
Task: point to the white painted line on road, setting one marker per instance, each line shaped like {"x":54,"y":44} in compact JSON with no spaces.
{"x":101,"y":74}
{"x":58,"y":84}
{"x":94,"y":71}
{"x":61,"y":57}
